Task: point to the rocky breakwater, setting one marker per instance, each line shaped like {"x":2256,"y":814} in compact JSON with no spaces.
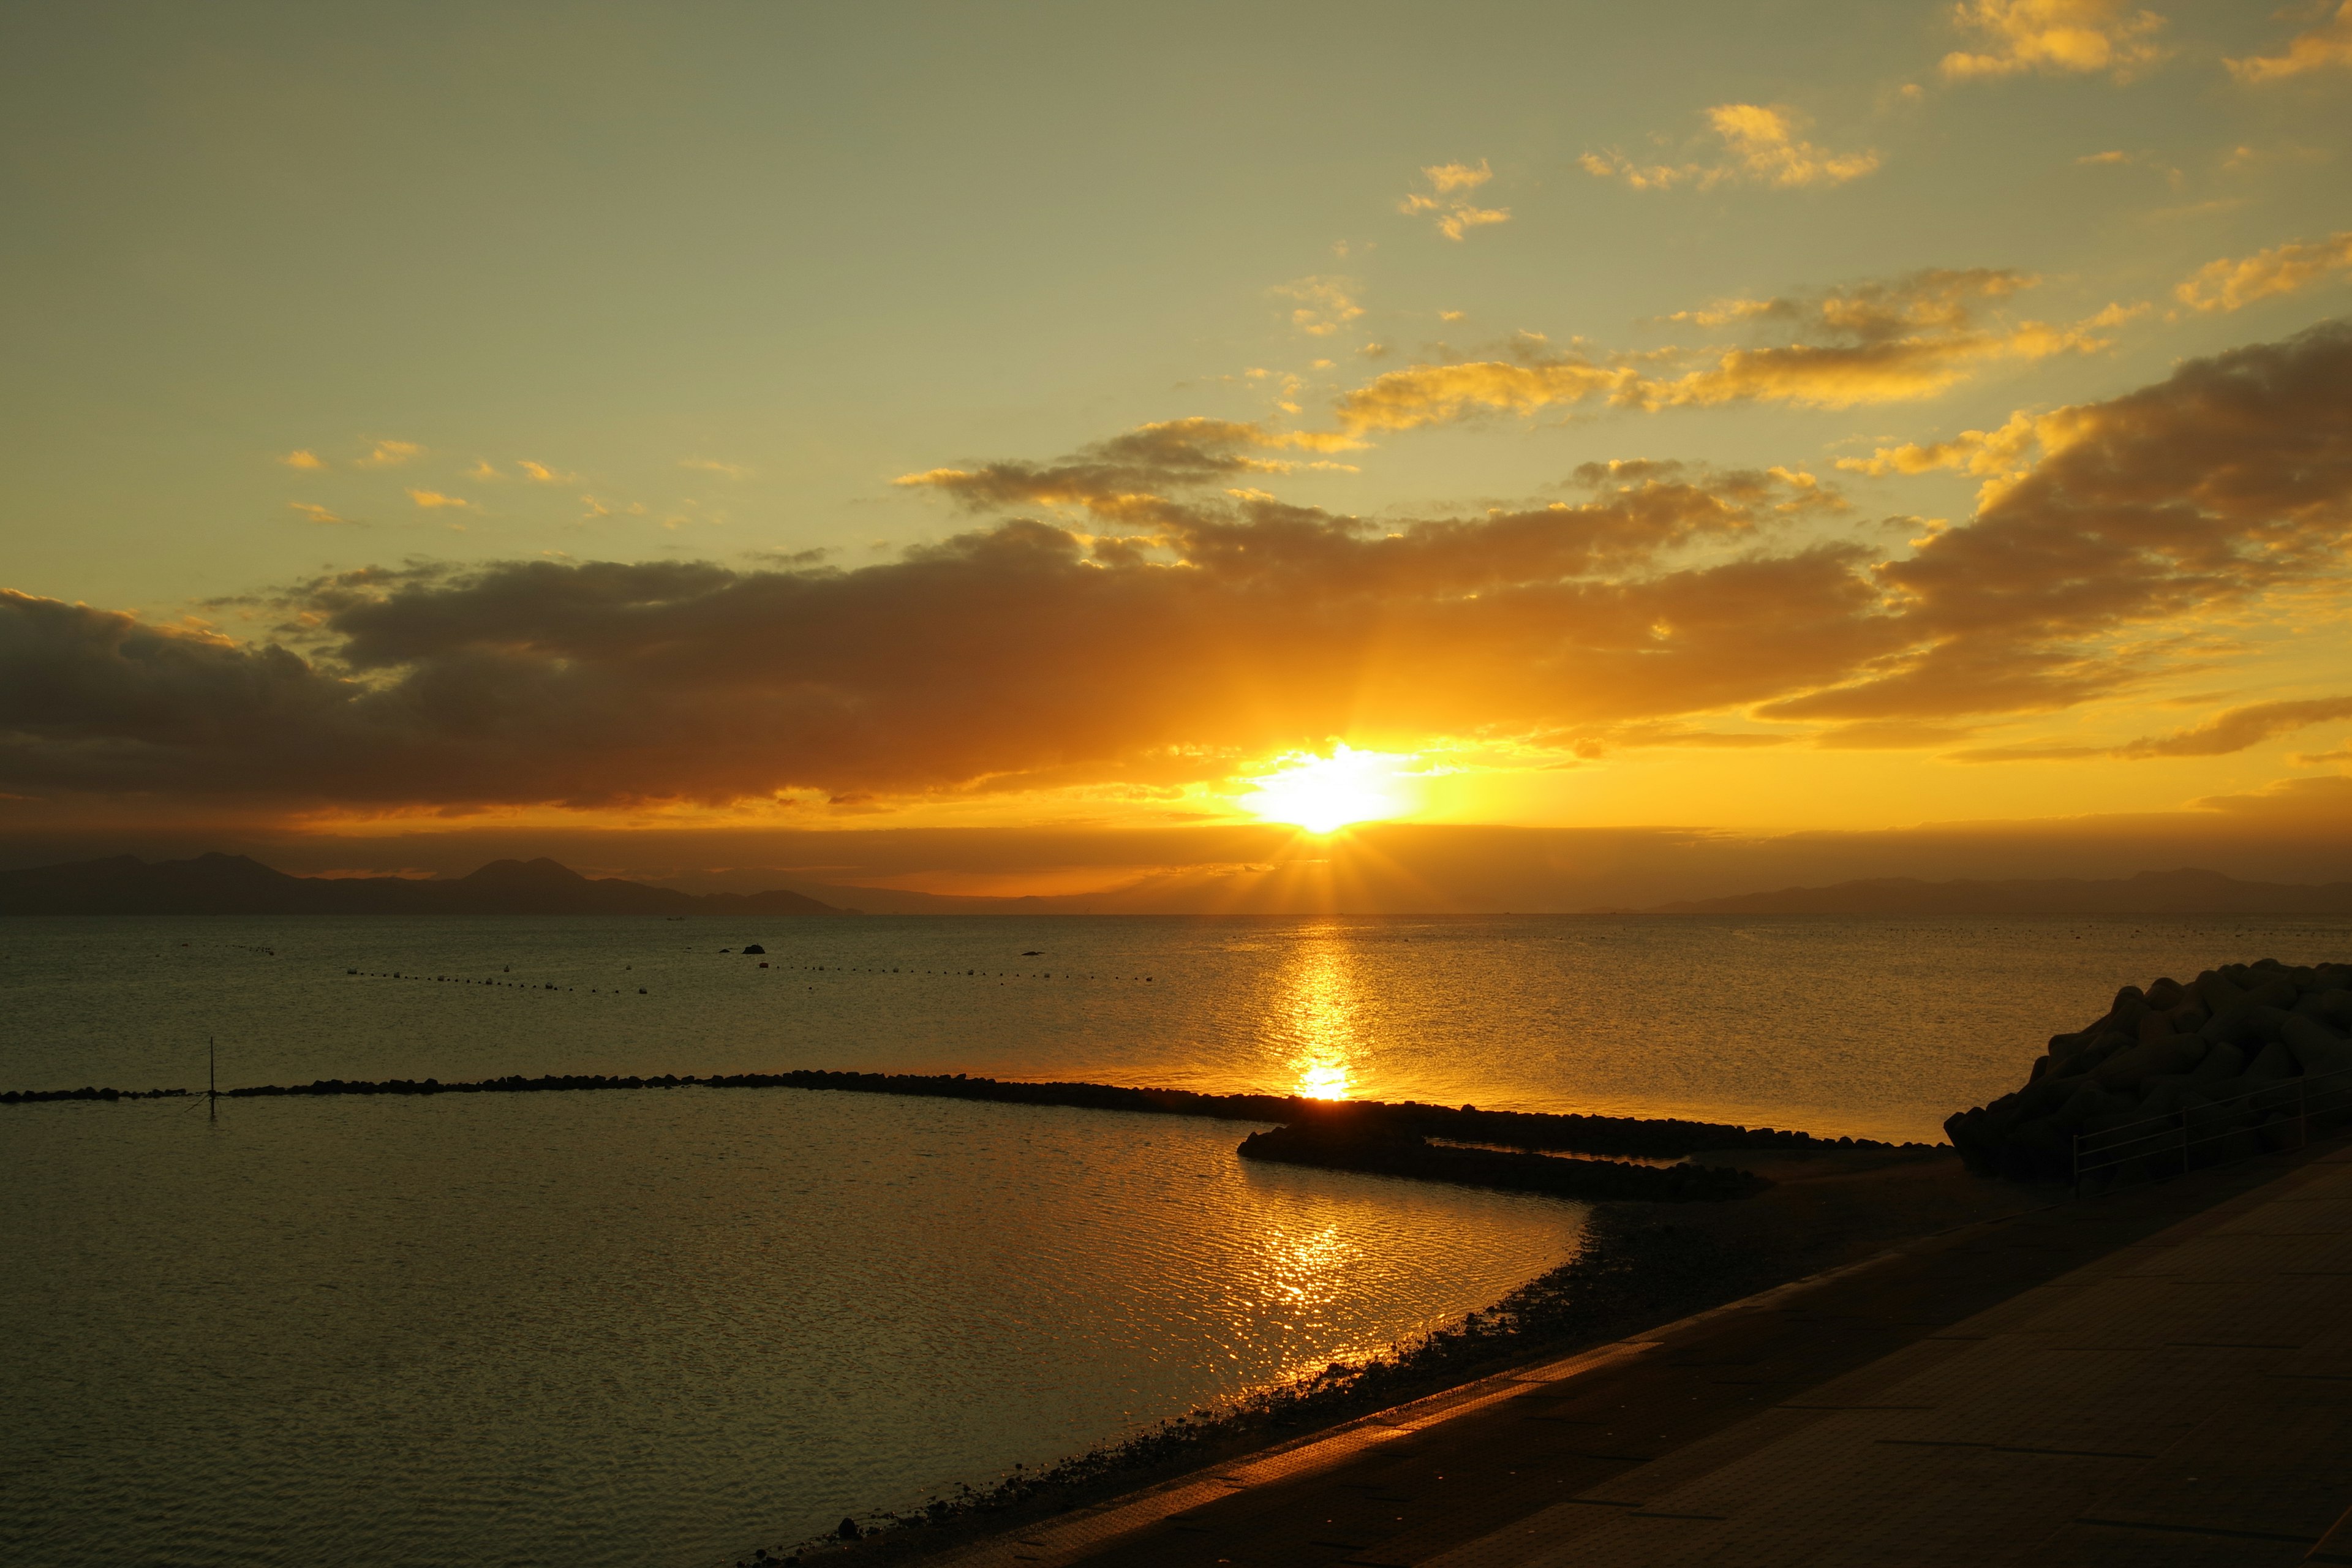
{"x":1342,"y":1138}
{"x":2244,"y":1057}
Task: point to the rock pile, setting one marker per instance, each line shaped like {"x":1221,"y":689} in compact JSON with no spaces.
{"x":2219,"y":1059}
{"x":1359,"y":1144}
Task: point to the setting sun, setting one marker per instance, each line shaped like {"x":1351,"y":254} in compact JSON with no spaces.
{"x":1323,"y":794}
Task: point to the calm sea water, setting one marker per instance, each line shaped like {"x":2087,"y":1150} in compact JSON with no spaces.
{"x":664,"y":1327}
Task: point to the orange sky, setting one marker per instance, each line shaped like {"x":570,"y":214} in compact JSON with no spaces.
{"x":1953,"y":424}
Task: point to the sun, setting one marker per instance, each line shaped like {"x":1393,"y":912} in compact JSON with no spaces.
{"x":1323,"y":794}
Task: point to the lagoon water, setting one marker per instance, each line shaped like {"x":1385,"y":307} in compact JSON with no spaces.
{"x":666,"y":1326}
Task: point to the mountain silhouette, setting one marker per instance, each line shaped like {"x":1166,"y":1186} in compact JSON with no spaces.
{"x":238,"y":885}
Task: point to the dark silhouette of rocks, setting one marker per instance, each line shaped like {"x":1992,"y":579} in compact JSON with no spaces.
{"x":1524,"y":1130}
{"x":2186,"y":892}
{"x":2222,"y":1058}
{"x":1342,"y":1143}
{"x":237,"y":885}
{"x":755,"y":947}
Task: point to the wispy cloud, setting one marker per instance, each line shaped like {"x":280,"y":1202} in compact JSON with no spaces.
{"x":2078,"y":37}
{"x":1321,"y":306}
{"x":389,"y":455}
{"x":711,"y":465}
{"x":304,"y":458}
{"x":540,"y":473}
{"x":434,"y":499}
{"x":2232,"y":283}
{"x":313,"y":512}
{"x":2239,"y":727}
{"x":1447,"y":204}
{"x":2327,"y":47}
{"x":1761,"y":146}
{"x":1880,"y":341}
{"x":2227,"y":733}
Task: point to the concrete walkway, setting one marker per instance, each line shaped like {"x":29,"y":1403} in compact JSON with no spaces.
{"x":2162,"y":1377}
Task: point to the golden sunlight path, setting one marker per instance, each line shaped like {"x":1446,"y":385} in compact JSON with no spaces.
{"x":2162,"y":1377}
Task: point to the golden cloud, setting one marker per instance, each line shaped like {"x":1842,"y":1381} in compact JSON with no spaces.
{"x":2324,"y":48}
{"x":2232,"y":283}
{"x":2054,"y":36}
{"x":388,"y":455}
{"x":2232,"y":731}
{"x":434,"y":499}
{"x":313,"y":512}
{"x":303,"y":460}
{"x":2239,"y":727}
{"x":1453,"y":213}
{"x":1876,"y":342}
{"x":1236,"y":626}
{"x":1325,"y":305}
{"x":1762,"y":146}
{"x":2206,"y":490}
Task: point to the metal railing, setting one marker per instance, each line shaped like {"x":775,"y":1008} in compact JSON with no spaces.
{"x":2274,"y":1116}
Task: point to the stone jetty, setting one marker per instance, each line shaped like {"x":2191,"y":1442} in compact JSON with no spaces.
{"x":2237,"y":1060}
{"x":1342,"y":1143}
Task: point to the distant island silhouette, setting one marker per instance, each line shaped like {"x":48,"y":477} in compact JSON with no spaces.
{"x":2186,"y":892}
{"x":238,"y":885}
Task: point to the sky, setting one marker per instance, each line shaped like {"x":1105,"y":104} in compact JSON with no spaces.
{"x":754,"y":440}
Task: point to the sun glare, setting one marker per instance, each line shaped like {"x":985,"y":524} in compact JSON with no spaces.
{"x":1323,"y":794}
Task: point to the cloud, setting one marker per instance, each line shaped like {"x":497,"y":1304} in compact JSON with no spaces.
{"x":432,"y":498}
{"x":484,"y":468}
{"x":2229,"y":479}
{"x":1226,"y":624}
{"x":2076,"y":38}
{"x":2001,"y":456}
{"x":1882,"y":341}
{"x":304,"y":458}
{"x":1762,"y":146}
{"x":1325,"y":305}
{"x":2233,"y":283}
{"x":2232,"y":731}
{"x":1016,"y":652}
{"x":388,"y":455}
{"x":709,"y":466}
{"x":2323,"y":47}
{"x":540,"y":473}
{"x":2239,"y":727}
{"x":1447,"y":206}
{"x":1126,"y":479}
{"x":313,"y":512}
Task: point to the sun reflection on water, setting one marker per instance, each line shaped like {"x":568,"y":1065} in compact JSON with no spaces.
{"x":1320,"y":1018}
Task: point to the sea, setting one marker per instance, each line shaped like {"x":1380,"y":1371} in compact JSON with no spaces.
{"x":669,"y":1326}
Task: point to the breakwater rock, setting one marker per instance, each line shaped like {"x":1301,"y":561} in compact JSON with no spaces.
{"x":2233,"y":1060}
{"x":1648,"y":1137}
{"x":1343,"y":1142}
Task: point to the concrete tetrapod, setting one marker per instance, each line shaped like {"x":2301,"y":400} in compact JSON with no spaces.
{"x":2224,"y":1057}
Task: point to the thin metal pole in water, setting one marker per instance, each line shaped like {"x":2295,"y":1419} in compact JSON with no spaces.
{"x":212,"y":1082}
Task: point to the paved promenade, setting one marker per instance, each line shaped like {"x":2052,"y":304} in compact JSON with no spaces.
{"x":2161,"y":1378}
